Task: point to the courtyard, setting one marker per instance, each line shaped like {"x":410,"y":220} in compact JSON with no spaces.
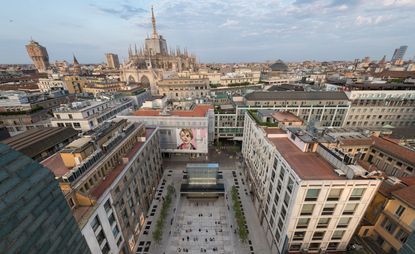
{"x":202,"y":225}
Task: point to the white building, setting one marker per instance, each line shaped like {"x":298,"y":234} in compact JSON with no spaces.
{"x":87,"y":115}
{"x":51,"y":84}
{"x":380,"y":108}
{"x":197,"y":121}
{"x":305,"y":197}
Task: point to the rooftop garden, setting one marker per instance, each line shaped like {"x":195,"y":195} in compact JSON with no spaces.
{"x":253,"y":114}
{"x":27,"y":112}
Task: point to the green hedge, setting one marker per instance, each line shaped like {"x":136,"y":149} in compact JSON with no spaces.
{"x":158,"y":232}
{"x":240,"y":218}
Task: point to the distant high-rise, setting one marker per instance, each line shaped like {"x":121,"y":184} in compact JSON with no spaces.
{"x":399,"y":53}
{"x":35,"y":216}
{"x":39,"y":55}
{"x":112,"y":60}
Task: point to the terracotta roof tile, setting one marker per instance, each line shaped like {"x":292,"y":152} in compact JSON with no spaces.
{"x":394,"y":149}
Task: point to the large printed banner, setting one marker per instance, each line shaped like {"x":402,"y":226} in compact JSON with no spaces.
{"x":186,"y":140}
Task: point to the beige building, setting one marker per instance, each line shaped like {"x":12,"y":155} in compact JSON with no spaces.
{"x":381,"y":108}
{"x":39,"y":55}
{"x":75,"y":84}
{"x":307,"y":199}
{"x":112,"y":61}
{"x":108,"y":177}
{"x":390,"y":219}
{"x":390,"y":157}
{"x":183,"y":88}
{"x":325,"y":109}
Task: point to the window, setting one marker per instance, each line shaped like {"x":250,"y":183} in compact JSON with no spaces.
{"x":332,"y":246}
{"x":307,"y":209}
{"x":295,"y":247}
{"x":290,"y":184}
{"x":101,"y":237}
{"x":334,"y":194}
{"x":343,"y":222}
{"x":349,"y":209}
{"x":115,"y":231}
{"x":282,"y":173}
{"x":338,"y":235}
{"x":314,"y":246}
{"x":107,"y":206}
{"x":399,"y":211}
{"x":328,"y":209}
{"x":357,"y":194}
{"x":286,"y":199}
{"x":280,"y":224}
{"x":303,"y":222}
{"x":299,"y":236}
{"x":319,"y":235}
{"x":95,"y":223}
{"x":105,"y":249}
{"x":71,"y":203}
{"x":388,"y":225}
{"x":76,"y":125}
{"x":111,"y":219}
{"x":70,"y":116}
{"x":323,"y":222}
{"x":119,"y":242}
{"x":312,"y":195}
{"x":402,"y":236}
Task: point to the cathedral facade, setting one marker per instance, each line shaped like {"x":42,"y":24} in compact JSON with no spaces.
{"x":151,"y":63}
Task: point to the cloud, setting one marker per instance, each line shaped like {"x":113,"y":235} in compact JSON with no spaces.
{"x":362,"y":20}
{"x":230,"y":23}
{"x":126,"y":11}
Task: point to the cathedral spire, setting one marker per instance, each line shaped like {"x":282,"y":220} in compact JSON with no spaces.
{"x":153,"y":21}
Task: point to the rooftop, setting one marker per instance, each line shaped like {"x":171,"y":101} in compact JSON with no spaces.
{"x":200,"y":110}
{"x":286,"y":117}
{"x":295,"y":95}
{"x":37,"y":140}
{"x":307,"y":165}
{"x":394,"y":149}
{"x":406,"y":195}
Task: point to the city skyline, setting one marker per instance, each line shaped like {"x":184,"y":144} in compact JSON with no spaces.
{"x":235,"y":31}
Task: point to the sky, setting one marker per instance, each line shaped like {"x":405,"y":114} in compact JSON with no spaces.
{"x":223,"y":31}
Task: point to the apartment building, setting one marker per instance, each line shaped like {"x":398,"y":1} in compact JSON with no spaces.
{"x":390,"y":157}
{"x":51,"y":84}
{"x":306,"y":197}
{"x":21,"y":111}
{"x":109,"y":178}
{"x":183,"y":88}
{"x":381,"y":108}
{"x":89,"y":114}
{"x":327,"y":109}
{"x":389,"y":221}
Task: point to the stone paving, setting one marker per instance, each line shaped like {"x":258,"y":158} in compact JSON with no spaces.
{"x":183,"y":211}
{"x":201,"y":227}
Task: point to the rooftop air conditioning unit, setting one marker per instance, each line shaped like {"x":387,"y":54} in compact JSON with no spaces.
{"x":339,"y":172}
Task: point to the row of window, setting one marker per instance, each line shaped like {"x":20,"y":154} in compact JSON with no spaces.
{"x":334,"y":194}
